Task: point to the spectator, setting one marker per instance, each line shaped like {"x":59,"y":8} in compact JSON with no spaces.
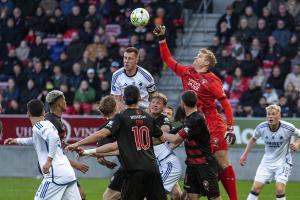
{"x":256,"y":50}
{"x":28,"y":93}
{"x":226,"y":64}
{"x":93,"y":80}
{"x":259,"y":79}
{"x":286,"y":110}
{"x":270,"y":94}
{"x":75,"y":48}
{"x":12,"y":92}
{"x":284,"y":15}
{"x":75,"y":19}
{"x":297,"y":108}
{"x":272,"y":54}
{"x":7,"y":4}
{"x":291,"y":93}
{"x":276,"y":79}
{"x":8,"y":62}
{"x":74,"y":109}
{"x":69,"y":96}
{"x":239,"y":7}
{"x":58,"y":77}
{"x":86,"y":95}
{"x":39,"y":75}
{"x":216,"y":46}
{"x":57,"y":48}
{"x":266,"y":14}
{"x":66,"y":6}
{"x":230,"y":18}
{"x":244,"y":33}
{"x":293,"y":77}
{"x":19,"y":76}
{"x":86,"y":35}
{"x":250,"y":16}
{"x":293,"y":6}
{"x":281,"y":34}
{"x":10,"y":34}
{"x":94,"y":48}
{"x":48,"y":6}
{"x":19,"y":21}
{"x":260,"y":109}
{"x":249,"y":98}
{"x":291,"y":50}
{"x":38,"y":22}
{"x":239,"y":85}
{"x":12,"y":107}
{"x":238,"y":50}
{"x":296,"y":59}
{"x":223,"y":33}
{"x":105,"y":88}
{"x":65,"y":63}
{"x":38,"y":49}
{"x":273,"y":6}
{"x":94,"y":17}
{"x":75,"y":77}
{"x":22,"y":51}
{"x":56,"y":23}
{"x":248,"y":65}
{"x":262,"y":32}
{"x":86,"y":62}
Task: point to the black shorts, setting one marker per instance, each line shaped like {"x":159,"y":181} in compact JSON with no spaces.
{"x":117,"y":180}
{"x":202,"y":180}
{"x":140,"y":184}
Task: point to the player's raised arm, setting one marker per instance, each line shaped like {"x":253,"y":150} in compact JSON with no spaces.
{"x":165,"y":54}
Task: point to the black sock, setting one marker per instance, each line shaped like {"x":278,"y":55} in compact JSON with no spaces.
{"x":254,"y":193}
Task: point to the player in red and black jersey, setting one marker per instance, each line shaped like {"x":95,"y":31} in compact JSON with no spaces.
{"x":202,"y":168}
{"x":208,"y":88}
{"x":134,"y":129}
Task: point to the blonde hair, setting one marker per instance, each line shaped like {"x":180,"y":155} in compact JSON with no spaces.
{"x":161,"y":96}
{"x":108,"y":105}
{"x":210,"y":56}
{"x":273,"y":107}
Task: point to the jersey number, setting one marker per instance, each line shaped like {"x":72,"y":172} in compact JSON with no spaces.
{"x":141,"y":137}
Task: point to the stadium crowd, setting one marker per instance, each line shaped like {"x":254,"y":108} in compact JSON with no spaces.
{"x":75,"y":46}
{"x":258,"y":53}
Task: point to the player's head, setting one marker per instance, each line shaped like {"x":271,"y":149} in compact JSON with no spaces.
{"x":157,"y":103}
{"x":169,"y":112}
{"x":108,"y":106}
{"x":273,"y":114}
{"x":131,"y":95}
{"x":35,"y":108}
{"x":131,"y":58}
{"x":56,"y":100}
{"x":205,"y":58}
{"x":189,"y":99}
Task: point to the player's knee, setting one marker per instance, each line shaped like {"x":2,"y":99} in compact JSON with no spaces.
{"x":280,"y":189}
{"x":256,"y":189}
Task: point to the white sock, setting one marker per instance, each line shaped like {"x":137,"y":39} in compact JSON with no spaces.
{"x":280,"y":197}
{"x":252,"y":196}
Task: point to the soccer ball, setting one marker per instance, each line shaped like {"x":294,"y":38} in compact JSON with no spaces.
{"x":139,"y":17}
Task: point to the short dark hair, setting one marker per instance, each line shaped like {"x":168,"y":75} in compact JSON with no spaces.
{"x":189,"y":98}
{"x":107,"y":105}
{"x":132,"y":49}
{"x":35,"y":108}
{"x":131,"y":95}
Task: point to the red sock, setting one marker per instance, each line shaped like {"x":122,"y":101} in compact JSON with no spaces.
{"x":227,"y":177}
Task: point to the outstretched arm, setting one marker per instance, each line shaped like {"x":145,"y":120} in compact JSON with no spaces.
{"x":165,"y":52}
{"x":244,"y":156}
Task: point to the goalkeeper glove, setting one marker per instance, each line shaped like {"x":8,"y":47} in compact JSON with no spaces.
{"x":160,"y":31}
{"x":230,"y":136}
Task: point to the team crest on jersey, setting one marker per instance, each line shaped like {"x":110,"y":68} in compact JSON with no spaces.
{"x":203,"y":81}
{"x":205,"y":184}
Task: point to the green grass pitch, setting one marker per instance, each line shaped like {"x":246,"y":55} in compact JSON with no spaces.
{"x":25,"y":188}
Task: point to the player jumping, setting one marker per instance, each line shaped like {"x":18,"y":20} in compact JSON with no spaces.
{"x":208,"y":88}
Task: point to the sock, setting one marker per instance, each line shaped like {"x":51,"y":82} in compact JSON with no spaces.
{"x":252,"y":196}
{"x":227,"y":177}
{"x":280,"y":197}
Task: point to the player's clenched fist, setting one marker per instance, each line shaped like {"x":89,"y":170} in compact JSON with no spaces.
{"x":10,"y":141}
{"x":46,"y":167}
{"x":243,"y":160}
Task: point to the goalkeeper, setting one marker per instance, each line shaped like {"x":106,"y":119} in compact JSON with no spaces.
{"x":208,"y":87}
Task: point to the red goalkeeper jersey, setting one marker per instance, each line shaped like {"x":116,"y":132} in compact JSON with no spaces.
{"x":207,"y":86}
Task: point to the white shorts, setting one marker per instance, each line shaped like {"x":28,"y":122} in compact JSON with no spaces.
{"x":170,"y":171}
{"x":49,"y":190}
{"x":266,"y":173}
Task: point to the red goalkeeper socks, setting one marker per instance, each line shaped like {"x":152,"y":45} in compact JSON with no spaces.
{"x":227,"y":177}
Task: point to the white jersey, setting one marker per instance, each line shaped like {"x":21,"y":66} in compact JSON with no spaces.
{"x":162,"y":151}
{"x":277,"y":150}
{"x":142,"y":79}
{"x":47,"y":143}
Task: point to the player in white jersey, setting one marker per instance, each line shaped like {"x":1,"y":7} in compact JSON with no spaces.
{"x":169,"y":164}
{"x":132,"y":74}
{"x":59,"y":177}
{"x":277,"y":160}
